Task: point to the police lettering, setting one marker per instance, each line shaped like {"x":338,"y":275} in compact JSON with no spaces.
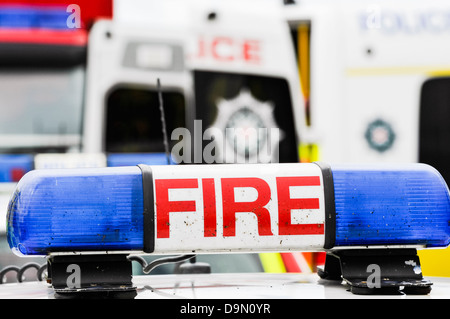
{"x":231,"y":206}
{"x":227,"y":49}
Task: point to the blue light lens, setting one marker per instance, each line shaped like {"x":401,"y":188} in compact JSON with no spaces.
{"x":395,"y":205}
{"x":23,"y":17}
{"x":77,"y":210}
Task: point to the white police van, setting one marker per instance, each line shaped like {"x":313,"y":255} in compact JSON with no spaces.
{"x":214,"y":72}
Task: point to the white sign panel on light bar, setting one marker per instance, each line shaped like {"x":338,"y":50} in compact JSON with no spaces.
{"x":257,"y":207}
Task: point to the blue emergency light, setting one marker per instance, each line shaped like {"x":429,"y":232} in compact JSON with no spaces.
{"x":402,"y":205}
{"x":14,"y":166}
{"x":27,"y":17}
{"x":77,"y":209}
{"x":112,"y":209}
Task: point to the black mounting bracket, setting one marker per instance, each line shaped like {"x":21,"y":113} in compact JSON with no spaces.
{"x":91,"y":276}
{"x":377,"y":271}
{"x":192,"y":267}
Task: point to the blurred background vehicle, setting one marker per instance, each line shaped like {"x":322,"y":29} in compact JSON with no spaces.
{"x":43,"y":80}
{"x":344,"y":81}
{"x":113,"y":115}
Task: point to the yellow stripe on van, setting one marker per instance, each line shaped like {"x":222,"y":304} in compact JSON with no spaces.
{"x":272,"y":262}
{"x":308,"y":153}
{"x":431,"y":70}
{"x":303,"y":58}
{"x":435,"y":262}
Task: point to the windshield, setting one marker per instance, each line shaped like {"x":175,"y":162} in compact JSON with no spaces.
{"x":227,"y":100}
{"x":133,"y":122}
{"x":41,"y":109}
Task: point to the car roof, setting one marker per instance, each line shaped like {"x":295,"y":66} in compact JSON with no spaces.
{"x":232,"y":286}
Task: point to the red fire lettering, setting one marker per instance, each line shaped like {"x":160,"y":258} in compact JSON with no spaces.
{"x":231,"y":207}
{"x":164,"y":206}
{"x":286,"y":204}
{"x":209,"y":207}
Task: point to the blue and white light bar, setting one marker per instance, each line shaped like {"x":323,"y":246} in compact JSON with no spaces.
{"x":228,"y":208}
{"x":29,"y":17}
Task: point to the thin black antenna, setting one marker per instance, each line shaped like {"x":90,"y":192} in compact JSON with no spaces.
{"x":163,"y":122}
